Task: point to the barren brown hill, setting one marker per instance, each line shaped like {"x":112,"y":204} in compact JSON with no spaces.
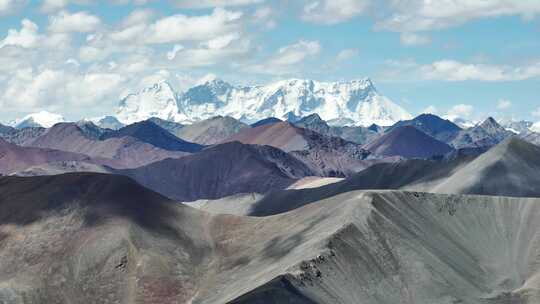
{"x":124,"y":152}
{"x":87,"y":238}
{"x":325,"y":155}
{"x":15,"y":158}
{"x":220,"y":171}
{"x":281,"y":135}
{"x":211,"y":131}
{"x":409,"y":142}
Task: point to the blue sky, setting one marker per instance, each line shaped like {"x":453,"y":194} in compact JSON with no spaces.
{"x":470,"y":58}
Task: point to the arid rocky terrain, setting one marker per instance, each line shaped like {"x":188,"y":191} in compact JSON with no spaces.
{"x":275,"y":213}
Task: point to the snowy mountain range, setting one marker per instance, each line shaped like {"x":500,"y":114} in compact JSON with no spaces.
{"x":354,"y":102}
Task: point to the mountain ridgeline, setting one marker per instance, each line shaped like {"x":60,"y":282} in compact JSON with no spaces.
{"x":293,"y":209}
{"x":357,"y":102}
{"x":102,"y":236}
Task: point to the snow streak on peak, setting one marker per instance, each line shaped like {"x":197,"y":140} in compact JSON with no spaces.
{"x":356,"y":101}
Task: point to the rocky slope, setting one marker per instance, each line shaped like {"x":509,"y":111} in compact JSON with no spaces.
{"x":23,"y":136}
{"x":509,"y":169}
{"x":359,"y":135}
{"x":211,"y":131}
{"x":105,"y":237}
{"x":325,"y":155}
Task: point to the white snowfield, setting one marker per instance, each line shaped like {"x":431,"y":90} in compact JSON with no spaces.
{"x":354,"y":102}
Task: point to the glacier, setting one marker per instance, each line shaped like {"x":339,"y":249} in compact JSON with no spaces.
{"x":355,"y":102}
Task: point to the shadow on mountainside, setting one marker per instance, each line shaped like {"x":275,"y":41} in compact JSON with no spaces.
{"x":96,"y":197}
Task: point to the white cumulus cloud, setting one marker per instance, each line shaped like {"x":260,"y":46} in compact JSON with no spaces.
{"x":212,"y":3}
{"x":423,"y":15}
{"x":26,"y":37}
{"x":431,"y":109}
{"x":193,"y":28}
{"x":333,"y":11}
{"x":8,"y":6}
{"x":80,"y":22}
{"x":460,"y":111}
{"x":504,"y":104}
{"x":287,"y":59}
{"x":347,"y":54}
{"x":413,"y":39}
{"x":452,"y":70}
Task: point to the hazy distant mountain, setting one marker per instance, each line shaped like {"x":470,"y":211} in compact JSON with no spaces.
{"x":107,"y":122}
{"x":434,"y":126}
{"x":535,"y":127}
{"x":171,"y":126}
{"x":409,"y":142}
{"x":121,"y":152}
{"x":41,"y":119}
{"x":265,"y":121}
{"x":91,"y":130}
{"x":357,"y":101}
{"x":220,"y":171}
{"x":517,"y":126}
{"x":487,"y":134}
{"x":211,"y":131}
{"x":461,"y":122}
{"x":531,"y":137}
{"x":149,"y":132}
{"x":23,"y":136}
{"x":6,"y":130}
{"x":359,"y":135}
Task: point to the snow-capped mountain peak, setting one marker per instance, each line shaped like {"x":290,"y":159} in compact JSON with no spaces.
{"x":490,"y":124}
{"x":158,"y":100}
{"x":107,"y":122}
{"x":40,"y":119}
{"x":535,"y":127}
{"x":355,"y":101}
{"x":517,"y":126}
{"x":461,"y":122}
